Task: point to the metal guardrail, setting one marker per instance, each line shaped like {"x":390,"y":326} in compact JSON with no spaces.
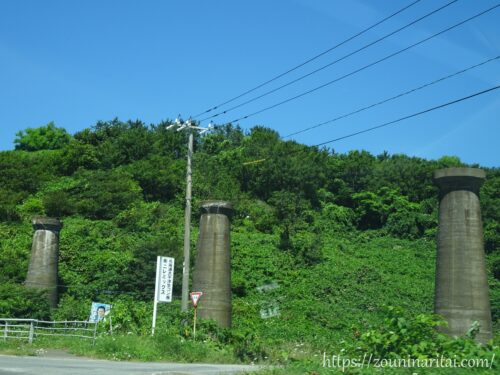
{"x":30,"y":329}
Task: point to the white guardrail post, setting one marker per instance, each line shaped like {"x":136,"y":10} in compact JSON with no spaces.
{"x":95,"y":333}
{"x":32,"y":329}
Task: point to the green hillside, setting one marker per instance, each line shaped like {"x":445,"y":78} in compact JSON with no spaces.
{"x":337,"y":238}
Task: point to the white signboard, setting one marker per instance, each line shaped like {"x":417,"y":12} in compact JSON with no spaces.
{"x":164,"y":279}
{"x":164,"y":284}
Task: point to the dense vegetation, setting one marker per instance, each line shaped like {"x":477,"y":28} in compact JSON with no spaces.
{"x":340,"y":235}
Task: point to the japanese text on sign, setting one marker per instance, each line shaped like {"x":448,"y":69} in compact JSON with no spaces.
{"x":165,"y":279}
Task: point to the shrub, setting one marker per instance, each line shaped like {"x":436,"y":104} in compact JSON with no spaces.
{"x":70,"y":308}
{"x":338,"y":217}
{"x":247,"y":345}
{"x":17,"y":301}
{"x":31,"y":206}
{"x":403,"y":336}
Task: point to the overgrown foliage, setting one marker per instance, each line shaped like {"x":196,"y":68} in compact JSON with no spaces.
{"x":339,"y":235}
{"x":20,"y":302}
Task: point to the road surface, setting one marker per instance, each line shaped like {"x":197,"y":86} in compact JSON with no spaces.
{"x":15,"y":365}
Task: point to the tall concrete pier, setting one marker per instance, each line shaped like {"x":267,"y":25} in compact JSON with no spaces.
{"x":462,"y":293}
{"x":212,"y":274}
{"x":42,"y":272}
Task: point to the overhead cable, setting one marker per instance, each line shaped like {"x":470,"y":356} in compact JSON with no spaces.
{"x":332,"y":63}
{"x":410,"y":116}
{"x":393,"y":97}
{"x":309,"y":60}
{"x":366,"y":66}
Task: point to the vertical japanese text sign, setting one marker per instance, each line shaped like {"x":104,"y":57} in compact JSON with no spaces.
{"x":164,"y":284}
{"x":164,"y":279}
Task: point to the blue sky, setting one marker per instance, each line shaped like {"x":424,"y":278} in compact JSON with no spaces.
{"x":78,"y":62}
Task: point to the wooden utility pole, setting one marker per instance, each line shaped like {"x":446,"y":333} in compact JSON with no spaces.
{"x":187,"y":213}
{"x":187,"y":227}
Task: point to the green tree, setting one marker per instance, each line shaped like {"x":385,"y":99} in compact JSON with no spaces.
{"x":103,"y":194}
{"x":47,"y":137}
{"x":410,"y":175}
{"x":8,"y":202}
{"x":349,"y":174}
{"x":356,"y":169}
{"x":222,"y":137}
{"x":169,"y":142}
{"x":158,"y":176}
{"x":282,"y":166}
{"x":116,"y":142}
{"x":25,"y":172}
{"x":78,"y":154}
{"x":371,"y":210}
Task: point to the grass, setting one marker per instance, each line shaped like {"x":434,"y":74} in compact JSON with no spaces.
{"x":169,"y":348}
{"x":129,"y":347}
{"x":17,"y":347}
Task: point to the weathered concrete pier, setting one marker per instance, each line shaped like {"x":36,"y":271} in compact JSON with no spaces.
{"x":462,"y":292}
{"x":43,"y":266}
{"x":212,"y":274}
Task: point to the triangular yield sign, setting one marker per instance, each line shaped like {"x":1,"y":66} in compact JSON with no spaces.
{"x":195,"y":296}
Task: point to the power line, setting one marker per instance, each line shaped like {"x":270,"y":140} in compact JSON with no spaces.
{"x":332,"y":63}
{"x":366,"y":66}
{"x":390,"y":122}
{"x":410,"y":116}
{"x":393,"y":97}
{"x":308,"y":61}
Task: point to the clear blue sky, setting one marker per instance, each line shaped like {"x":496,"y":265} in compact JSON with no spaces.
{"x":77,"y":62}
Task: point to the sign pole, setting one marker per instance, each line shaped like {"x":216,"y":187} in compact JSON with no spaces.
{"x":194,"y":324}
{"x":195,"y":297}
{"x":155,"y":304}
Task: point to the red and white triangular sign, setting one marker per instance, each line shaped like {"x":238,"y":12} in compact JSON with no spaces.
{"x":195,"y":297}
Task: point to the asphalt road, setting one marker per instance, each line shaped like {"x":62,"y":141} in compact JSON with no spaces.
{"x":14,"y":365}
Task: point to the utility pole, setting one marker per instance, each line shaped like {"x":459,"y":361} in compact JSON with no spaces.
{"x":187,"y":227}
{"x":188,"y":126}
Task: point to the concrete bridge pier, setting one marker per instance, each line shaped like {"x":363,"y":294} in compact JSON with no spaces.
{"x":462,"y":292}
{"x":212,"y":274}
{"x":43,"y":266}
